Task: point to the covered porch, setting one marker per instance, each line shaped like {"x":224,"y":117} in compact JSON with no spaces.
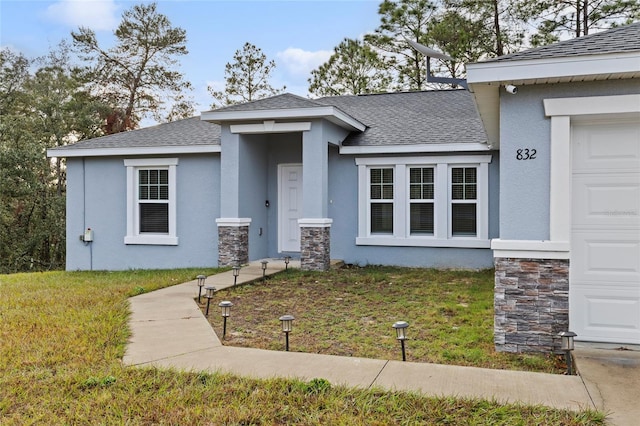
{"x":274,"y":180}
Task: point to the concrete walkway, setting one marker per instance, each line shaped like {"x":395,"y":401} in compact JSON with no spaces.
{"x":169,"y":330}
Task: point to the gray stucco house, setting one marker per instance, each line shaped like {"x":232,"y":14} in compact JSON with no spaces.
{"x":543,"y":184}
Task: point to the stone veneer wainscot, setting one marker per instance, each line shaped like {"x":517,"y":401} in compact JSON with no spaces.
{"x":315,"y":244}
{"x":233,"y":242}
{"x":531,"y":302}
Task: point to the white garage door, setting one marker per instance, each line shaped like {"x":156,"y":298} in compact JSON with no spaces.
{"x":604,"y":296}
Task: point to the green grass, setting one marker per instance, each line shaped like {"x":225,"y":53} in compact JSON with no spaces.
{"x":62,"y":336}
{"x":350,"y":311}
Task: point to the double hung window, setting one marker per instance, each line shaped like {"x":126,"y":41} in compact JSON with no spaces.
{"x":421,"y":200}
{"x":151,"y":201}
{"x":381,"y":196}
{"x":424,"y":201}
{"x":464,"y":199}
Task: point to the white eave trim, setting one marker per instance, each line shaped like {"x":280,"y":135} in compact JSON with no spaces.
{"x":113,"y":152}
{"x":533,"y":69}
{"x":330,"y":113}
{"x":270,"y":126}
{"x":412,"y":149}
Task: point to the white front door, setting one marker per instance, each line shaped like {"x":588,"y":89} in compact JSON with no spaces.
{"x":604,"y":295}
{"x":289,"y":207}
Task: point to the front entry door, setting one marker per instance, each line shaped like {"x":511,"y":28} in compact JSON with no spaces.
{"x":289,"y":207}
{"x":604,"y":284}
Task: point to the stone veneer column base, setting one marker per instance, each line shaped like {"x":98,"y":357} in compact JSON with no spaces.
{"x":315,"y":244}
{"x":233,"y":241}
{"x":531,"y":302}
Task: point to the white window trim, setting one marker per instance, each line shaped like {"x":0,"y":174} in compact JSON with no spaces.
{"x":442,"y":235}
{"x":133,"y":218}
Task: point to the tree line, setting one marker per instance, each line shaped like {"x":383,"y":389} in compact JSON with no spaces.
{"x":52,"y":101}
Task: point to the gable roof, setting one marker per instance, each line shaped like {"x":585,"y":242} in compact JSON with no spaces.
{"x":282,"y":107}
{"x":281,"y":101}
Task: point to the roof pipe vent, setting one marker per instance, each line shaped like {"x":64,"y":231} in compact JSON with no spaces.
{"x":431,"y":53}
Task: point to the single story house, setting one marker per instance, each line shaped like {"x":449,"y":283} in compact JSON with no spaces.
{"x":534,"y":170}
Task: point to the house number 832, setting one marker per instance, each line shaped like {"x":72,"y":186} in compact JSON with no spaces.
{"x":526,"y":154}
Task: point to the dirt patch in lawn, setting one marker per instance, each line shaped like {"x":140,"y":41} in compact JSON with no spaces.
{"x":350,"y":311}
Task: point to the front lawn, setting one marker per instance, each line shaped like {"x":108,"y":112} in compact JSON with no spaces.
{"x":349,"y":311}
{"x":63,"y":334}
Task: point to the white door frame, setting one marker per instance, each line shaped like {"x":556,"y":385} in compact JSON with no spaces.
{"x":282,"y":213}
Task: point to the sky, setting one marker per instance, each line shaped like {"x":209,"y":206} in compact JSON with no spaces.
{"x":299,"y":35}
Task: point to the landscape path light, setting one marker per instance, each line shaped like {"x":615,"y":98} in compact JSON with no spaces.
{"x":567,"y":346}
{"x":401,"y":334}
{"x":201,"y":279}
{"x":209,"y":295}
{"x":226,"y":313}
{"x":264,"y":270}
{"x":287,"y":326}
{"x":236,"y":272}
{"x":287,"y":259}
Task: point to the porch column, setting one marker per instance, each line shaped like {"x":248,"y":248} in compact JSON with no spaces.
{"x":233,"y":230}
{"x":233,"y":241}
{"x":315,"y":244}
{"x":315,"y":226}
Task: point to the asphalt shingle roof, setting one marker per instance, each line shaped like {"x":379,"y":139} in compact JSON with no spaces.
{"x":617,"y":40}
{"x":187,"y":132}
{"x":445,"y":116}
{"x":436,"y":117}
{"x":282,"y":101}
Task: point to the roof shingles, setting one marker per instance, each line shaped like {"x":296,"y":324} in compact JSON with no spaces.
{"x":617,"y":40}
{"x":430,"y":117}
{"x":187,"y":132}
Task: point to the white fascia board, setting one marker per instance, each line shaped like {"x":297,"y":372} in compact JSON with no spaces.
{"x":113,"y":152}
{"x":269,"y":126}
{"x":327,"y":112}
{"x":532,"y":69}
{"x":418,"y":148}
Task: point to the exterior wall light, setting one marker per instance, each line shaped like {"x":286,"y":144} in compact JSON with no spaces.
{"x":226,"y":313}
{"x":401,"y":335}
{"x":209,"y":295}
{"x":567,"y":347}
{"x":287,"y":259}
{"x":287,"y":326}
{"x":201,"y":279}
{"x":264,"y":270}
{"x":236,"y":272}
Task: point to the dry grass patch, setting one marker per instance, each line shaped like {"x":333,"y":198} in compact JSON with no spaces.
{"x":350,"y":311}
